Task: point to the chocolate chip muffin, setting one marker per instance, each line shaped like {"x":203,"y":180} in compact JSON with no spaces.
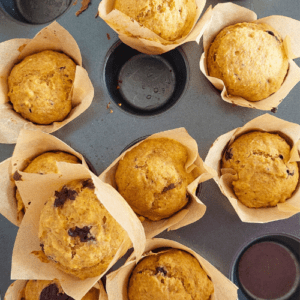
{"x":173,"y":274}
{"x":250,"y":59}
{"x":77,"y":233}
{"x":265,"y":176}
{"x":45,"y":164}
{"x":152,"y":178}
{"x":40,"y":87}
{"x":52,"y":290}
{"x":170,"y":19}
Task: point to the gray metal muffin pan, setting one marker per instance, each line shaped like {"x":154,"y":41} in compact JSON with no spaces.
{"x":101,"y":133}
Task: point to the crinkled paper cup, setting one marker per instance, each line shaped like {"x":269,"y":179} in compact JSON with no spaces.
{"x":291,"y":132}
{"x":14,"y":292}
{"x":143,"y":39}
{"x":195,"y":209}
{"x":30,"y":144}
{"x":226,"y":14}
{"x":27,"y":265}
{"x":53,"y":37}
{"x":117,"y":282}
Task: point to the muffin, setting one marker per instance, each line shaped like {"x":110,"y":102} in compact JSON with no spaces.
{"x":265,"y":176}
{"x":45,"y":164}
{"x":250,"y":59}
{"x":40,"y":87}
{"x":77,"y":233}
{"x":152,"y":178}
{"x":51,"y":290}
{"x":170,"y":20}
{"x":172,"y":274}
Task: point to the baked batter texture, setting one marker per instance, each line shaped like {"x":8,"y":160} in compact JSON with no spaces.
{"x":250,"y":59}
{"x":152,"y":178}
{"x":77,"y":233}
{"x":265,"y":177}
{"x":52,"y":290}
{"x":40,"y":87}
{"x":170,"y":19}
{"x":173,"y":274}
{"x":46,"y":164}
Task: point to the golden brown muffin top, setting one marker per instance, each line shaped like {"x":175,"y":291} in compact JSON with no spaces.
{"x":170,"y":19}
{"x":173,"y":274}
{"x":77,"y":232}
{"x":265,"y":176}
{"x":250,"y":59}
{"x":152,"y":178}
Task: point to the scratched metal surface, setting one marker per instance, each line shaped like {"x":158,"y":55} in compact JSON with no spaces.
{"x":100,"y":135}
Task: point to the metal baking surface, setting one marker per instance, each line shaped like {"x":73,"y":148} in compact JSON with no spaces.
{"x":101,"y":133}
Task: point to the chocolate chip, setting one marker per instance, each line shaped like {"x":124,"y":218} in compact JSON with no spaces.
{"x":290,"y":173}
{"x":280,"y":156}
{"x":228,"y":154}
{"x":161,"y":270}
{"x":51,"y":292}
{"x":17,"y":176}
{"x":29,"y":203}
{"x":30,"y":110}
{"x":83,"y":233}
{"x":169,"y":187}
{"x":88,"y":184}
{"x":42,"y":247}
{"x":272,"y":33}
{"x":274,"y":110}
{"x":62,"y":68}
{"x":63,"y":196}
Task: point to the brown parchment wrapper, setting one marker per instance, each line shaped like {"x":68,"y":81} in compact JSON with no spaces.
{"x":26,"y":265}
{"x":268,"y":123}
{"x":30,"y":144}
{"x":226,"y":14}
{"x":15,"y":289}
{"x":143,"y":39}
{"x":195,"y":209}
{"x":117,"y":282}
{"x":52,"y":37}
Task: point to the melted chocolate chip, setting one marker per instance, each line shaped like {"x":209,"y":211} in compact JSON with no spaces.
{"x":17,"y":176}
{"x":83,"y":233}
{"x":161,"y":270}
{"x":42,"y":247}
{"x":63,"y":196}
{"x":274,"y":110}
{"x":273,"y":34}
{"x":88,"y":184}
{"x":290,"y":173}
{"x":51,"y":292}
{"x":169,"y":187}
{"x":62,"y":68}
{"x":228,"y":154}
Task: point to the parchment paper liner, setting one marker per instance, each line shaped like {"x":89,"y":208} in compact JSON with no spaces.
{"x":195,"y":209}
{"x":142,"y":38}
{"x":26,"y":265}
{"x":14,"y":290}
{"x":226,"y":176}
{"x":52,"y":37}
{"x":117,"y":282}
{"x":30,"y":144}
{"x":227,"y":14}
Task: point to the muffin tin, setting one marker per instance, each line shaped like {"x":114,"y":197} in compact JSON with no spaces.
{"x":182,"y":97}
